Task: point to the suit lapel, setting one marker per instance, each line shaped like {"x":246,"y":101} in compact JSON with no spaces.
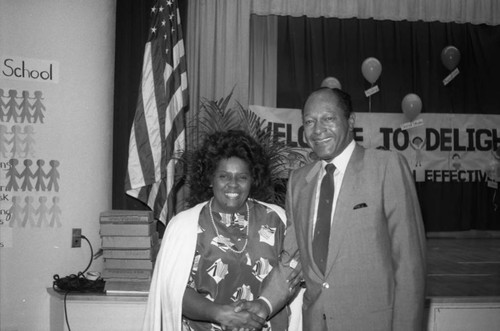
{"x":307,"y":214}
{"x":347,"y":194}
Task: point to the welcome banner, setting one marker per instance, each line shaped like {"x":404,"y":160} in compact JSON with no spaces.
{"x":438,"y":147}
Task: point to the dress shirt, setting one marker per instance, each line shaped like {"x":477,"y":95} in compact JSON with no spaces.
{"x":340,"y":163}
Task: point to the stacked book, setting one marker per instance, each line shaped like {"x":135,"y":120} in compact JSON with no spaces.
{"x":130,"y":244}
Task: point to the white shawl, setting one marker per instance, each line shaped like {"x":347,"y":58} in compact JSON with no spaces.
{"x":172,"y":268}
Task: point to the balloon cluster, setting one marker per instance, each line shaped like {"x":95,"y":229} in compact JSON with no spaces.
{"x":411,"y":105}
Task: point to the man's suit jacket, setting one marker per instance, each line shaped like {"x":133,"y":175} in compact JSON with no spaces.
{"x":375,"y":273}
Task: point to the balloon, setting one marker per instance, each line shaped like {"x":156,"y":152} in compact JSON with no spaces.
{"x":371,"y":69}
{"x":411,"y":105}
{"x":450,"y":56}
{"x":331,"y":82}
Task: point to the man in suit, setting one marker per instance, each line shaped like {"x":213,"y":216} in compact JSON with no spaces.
{"x":372,"y":272}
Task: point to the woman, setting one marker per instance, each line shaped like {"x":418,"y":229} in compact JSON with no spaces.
{"x":219,"y":251}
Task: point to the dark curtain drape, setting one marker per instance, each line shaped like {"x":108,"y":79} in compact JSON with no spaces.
{"x":410,"y":53}
{"x":132,"y":24}
{"x":310,"y":49}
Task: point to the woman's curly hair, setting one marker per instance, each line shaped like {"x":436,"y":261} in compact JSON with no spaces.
{"x":223,"y":145}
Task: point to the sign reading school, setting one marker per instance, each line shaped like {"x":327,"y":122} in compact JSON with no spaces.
{"x":18,"y":68}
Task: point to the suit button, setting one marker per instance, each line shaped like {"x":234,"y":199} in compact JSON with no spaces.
{"x":326,"y":285}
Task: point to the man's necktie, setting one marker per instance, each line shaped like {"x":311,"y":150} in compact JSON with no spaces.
{"x":324,"y":217}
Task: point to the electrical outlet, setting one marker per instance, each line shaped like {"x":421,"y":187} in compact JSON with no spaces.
{"x":76,"y":238}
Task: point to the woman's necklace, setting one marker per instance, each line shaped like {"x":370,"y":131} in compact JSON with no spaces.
{"x":217,"y":231}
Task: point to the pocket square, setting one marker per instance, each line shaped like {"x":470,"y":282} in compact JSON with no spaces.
{"x":360,"y":205}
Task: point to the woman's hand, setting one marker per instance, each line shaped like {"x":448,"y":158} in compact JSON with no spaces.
{"x":238,"y":320}
{"x":197,"y":307}
{"x":295,"y":278}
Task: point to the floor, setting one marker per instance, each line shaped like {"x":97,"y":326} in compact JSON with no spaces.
{"x":463,"y":267}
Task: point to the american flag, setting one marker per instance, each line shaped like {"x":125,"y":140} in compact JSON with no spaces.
{"x":158,"y":131}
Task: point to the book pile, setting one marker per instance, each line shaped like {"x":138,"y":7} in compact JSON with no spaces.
{"x":130,"y":244}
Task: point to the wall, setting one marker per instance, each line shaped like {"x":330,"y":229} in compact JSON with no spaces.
{"x":68,"y":48}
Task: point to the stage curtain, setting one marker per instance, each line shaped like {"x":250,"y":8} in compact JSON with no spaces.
{"x":310,"y":49}
{"x":460,"y":11}
{"x":263,"y":55}
{"x":218,"y":41}
{"x":218,"y":48}
{"x":220,"y":58}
